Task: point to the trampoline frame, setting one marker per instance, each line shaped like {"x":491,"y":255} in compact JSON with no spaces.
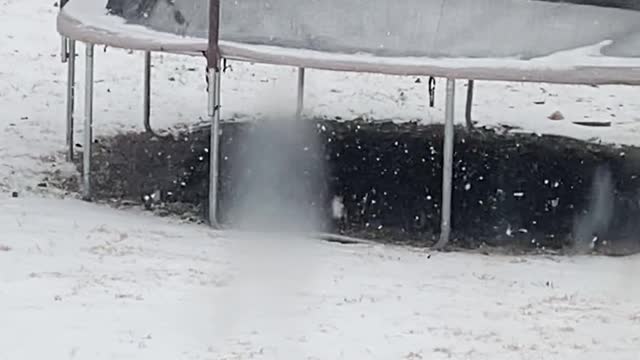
{"x":214,"y":77}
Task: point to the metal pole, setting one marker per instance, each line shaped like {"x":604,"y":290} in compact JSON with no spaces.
{"x":467,"y":112}
{"x":88,"y":122}
{"x":447,"y":166}
{"x":300,"y":105}
{"x":64,"y":50}
{"x":147,"y":92}
{"x":213,"y":49}
{"x":213,"y":74}
{"x":71,"y":79}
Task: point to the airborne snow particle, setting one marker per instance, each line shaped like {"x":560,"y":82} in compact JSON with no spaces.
{"x":337,"y":207}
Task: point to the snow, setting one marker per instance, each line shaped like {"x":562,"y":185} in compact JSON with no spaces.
{"x":562,"y":60}
{"x":81,"y":280}
{"x":94,"y":12}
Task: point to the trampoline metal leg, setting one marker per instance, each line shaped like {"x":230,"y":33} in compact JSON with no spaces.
{"x":300,"y":104}
{"x":71,"y":79}
{"x":88,"y":122}
{"x":213,"y":75}
{"x":467,"y":112}
{"x":447,"y":166}
{"x":147,"y":92}
{"x":64,"y":49}
{"x":64,"y":41}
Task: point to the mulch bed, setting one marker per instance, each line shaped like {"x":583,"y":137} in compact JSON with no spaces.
{"x":521,"y":191}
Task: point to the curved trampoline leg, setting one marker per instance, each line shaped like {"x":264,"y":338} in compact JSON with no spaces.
{"x":447,"y":166}
{"x":213,"y":75}
{"x":300,"y":104}
{"x":88,"y":123}
{"x":146,"y":105}
{"x":71,"y":78}
{"x":468,"y":107}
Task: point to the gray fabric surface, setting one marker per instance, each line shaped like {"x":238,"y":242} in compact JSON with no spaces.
{"x":431,"y":28}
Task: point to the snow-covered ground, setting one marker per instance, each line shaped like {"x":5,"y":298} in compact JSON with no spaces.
{"x":87,"y":282}
{"x":81,"y":281}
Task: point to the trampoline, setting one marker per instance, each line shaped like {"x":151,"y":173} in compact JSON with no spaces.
{"x":557,"y":41}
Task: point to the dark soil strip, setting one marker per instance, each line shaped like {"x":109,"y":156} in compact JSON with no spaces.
{"x":518,"y":191}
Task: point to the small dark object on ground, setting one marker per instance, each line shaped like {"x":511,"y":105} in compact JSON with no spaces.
{"x":593,"y":123}
{"x":557,"y":115}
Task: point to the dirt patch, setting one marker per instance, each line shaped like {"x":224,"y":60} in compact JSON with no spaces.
{"x":521,"y":191}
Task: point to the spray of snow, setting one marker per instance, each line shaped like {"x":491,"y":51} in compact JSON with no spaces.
{"x":274,"y":210}
{"x":276,"y":193}
{"x":589,"y":227}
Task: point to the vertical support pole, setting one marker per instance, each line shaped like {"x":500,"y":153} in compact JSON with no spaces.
{"x":300,"y":105}
{"x":468,"y":108}
{"x":88,"y":122}
{"x":213,"y":76}
{"x":214,"y":117}
{"x":447,"y":165}
{"x":146,"y":105}
{"x":67,"y":54}
{"x":64,"y":50}
{"x":71,"y":79}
